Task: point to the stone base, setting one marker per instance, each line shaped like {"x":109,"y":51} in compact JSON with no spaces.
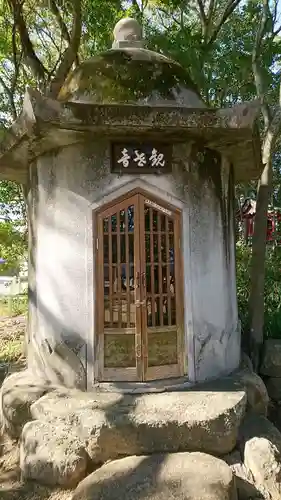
{"x":66,"y":433}
{"x":115,"y":424}
{"x":163,"y":385}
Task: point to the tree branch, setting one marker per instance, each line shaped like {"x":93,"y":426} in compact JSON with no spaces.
{"x":32,"y":61}
{"x":230,"y":7}
{"x":70,"y":53}
{"x":203,"y":18}
{"x":211,"y":10}
{"x":61,"y":23}
{"x":16,"y":60}
{"x":258,"y":77}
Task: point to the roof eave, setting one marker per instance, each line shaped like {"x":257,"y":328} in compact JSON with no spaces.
{"x":231,"y":131}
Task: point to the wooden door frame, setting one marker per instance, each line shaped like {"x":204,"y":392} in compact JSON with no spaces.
{"x":129,"y":373}
{"x":173,"y":370}
{"x":99,"y":311}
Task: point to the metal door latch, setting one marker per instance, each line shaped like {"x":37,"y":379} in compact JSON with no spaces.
{"x":139,"y":303}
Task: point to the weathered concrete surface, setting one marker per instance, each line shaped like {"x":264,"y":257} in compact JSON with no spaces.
{"x":52,"y":455}
{"x":271,"y":363}
{"x":261,"y":447}
{"x":65,"y":294}
{"x":257,"y":396}
{"x":113,"y":425}
{"x":160,"y":477}
{"x":17,"y":394}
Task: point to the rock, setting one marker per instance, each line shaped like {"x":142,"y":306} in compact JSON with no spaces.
{"x":257,"y":396}
{"x":244,"y":480}
{"x":261,"y":447}
{"x":274,"y":414}
{"x":115,"y":425}
{"x":52,"y":455}
{"x":4,"y":367}
{"x":160,"y":477}
{"x":246,"y":363}
{"x":271,"y":362}
{"x":17,"y":394}
{"x":273,"y":385}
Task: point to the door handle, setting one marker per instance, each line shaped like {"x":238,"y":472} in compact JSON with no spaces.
{"x":137,"y":285}
{"x":138,"y":351}
{"x":143,"y":279}
{"x":139,"y":303}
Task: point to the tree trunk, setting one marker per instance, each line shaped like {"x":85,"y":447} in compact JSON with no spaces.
{"x":256,"y":300}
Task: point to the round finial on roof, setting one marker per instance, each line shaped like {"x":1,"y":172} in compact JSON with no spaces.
{"x":127,"y":33}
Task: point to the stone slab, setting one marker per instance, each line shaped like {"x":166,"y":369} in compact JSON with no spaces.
{"x":115,"y":425}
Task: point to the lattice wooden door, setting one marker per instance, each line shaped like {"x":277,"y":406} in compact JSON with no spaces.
{"x":139,"y":299}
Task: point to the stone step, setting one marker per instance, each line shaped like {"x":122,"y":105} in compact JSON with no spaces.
{"x":100,"y":426}
{"x":204,"y":419}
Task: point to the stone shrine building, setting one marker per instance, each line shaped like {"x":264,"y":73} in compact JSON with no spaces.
{"x":129,"y":180}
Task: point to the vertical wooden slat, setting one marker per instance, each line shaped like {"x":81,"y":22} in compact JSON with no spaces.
{"x":138,"y":340}
{"x":100,"y":301}
{"x":179,"y":295}
{"x":160,"y":269}
{"x":119,"y":300}
{"x":152,"y":267}
{"x":127,"y":265}
{"x":110,"y":270}
{"x":168,"y":271}
{"x":143,"y":290}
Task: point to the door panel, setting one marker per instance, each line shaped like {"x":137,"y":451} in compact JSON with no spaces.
{"x":163,"y":317}
{"x":117,"y":265}
{"x":139,"y":296}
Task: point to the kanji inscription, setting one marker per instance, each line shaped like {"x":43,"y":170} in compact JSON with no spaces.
{"x":141,"y":158}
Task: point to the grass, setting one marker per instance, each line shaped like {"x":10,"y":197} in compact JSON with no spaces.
{"x":12,"y":335}
{"x":14,"y":306}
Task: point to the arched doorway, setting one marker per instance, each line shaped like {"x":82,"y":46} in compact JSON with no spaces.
{"x":139,"y":295}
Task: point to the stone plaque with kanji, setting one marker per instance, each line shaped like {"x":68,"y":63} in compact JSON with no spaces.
{"x":136,"y":158}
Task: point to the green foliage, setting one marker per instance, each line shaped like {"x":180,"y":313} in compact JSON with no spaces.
{"x":243,"y":258}
{"x":13,"y":248}
{"x":13,"y":231}
{"x":272,"y":323}
{"x":13,"y":306}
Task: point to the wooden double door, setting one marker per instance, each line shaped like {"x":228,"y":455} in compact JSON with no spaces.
{"x":139,"y":297}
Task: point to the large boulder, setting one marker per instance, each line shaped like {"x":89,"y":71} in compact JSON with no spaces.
{"x":244,"y":480}
{"x":273,"y":385}
{"x":160,"y":477}
{"x":257,"y":396}
{"x":261,"y":447}
{"x":271,"y":362}
{"x":115,"y":425}
{"x":52,"y":455}
{"x":17,"y":394}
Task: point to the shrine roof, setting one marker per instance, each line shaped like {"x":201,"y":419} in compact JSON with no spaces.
{"x":129,"y":92}
{"x":131,"y":75}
